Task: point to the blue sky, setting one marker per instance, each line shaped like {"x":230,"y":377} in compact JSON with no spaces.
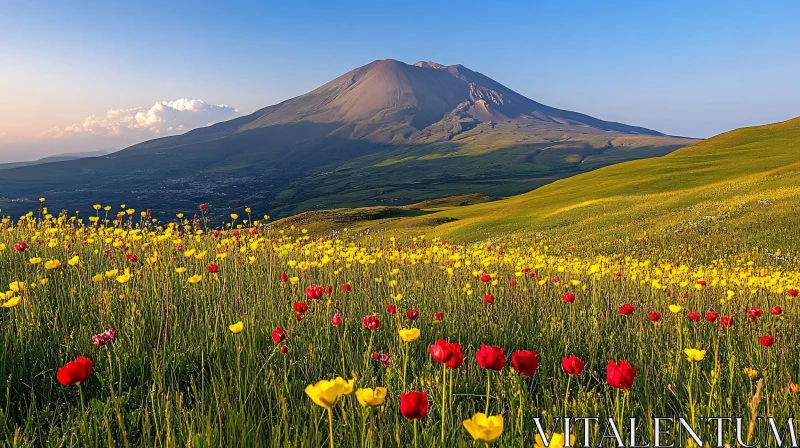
{"x":680,"y":67}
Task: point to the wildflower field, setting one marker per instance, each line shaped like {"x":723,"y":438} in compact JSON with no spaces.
{"x":121,"y":331}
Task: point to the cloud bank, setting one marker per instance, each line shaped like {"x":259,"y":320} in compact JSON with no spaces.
{"x":164,"y":118}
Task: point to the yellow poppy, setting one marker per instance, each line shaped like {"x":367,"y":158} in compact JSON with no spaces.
{"x":52,"y":264}
{"x":327,"y":393}
{"x":485,"y":429}
{"x":195,"y":278}
{"x":409,"y":334}
{"x":675,"y":308}
{"x":74,"y":261}
{"x":35,"y":260}
{"x":237,"y":327}
{"x":694,"y":354}
{"x":371,"y":398}
{"x":12,"y":302}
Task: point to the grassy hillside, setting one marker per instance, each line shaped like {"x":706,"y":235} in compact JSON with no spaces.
{"x":743,"y":184}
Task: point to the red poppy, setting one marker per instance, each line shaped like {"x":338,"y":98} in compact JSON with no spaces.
{"x":711,"y":316}
{"x":776,"y":310}
{"x":284,"y":277}
{"x":701,"y":282}
{"x":793,"y":292}
{"x":213,"y":268}
{"x":391,"y":309}
{"x":21,"y":246}
{"x":278,"y":335}
{"x":726,"y":321}
{"x":491,"y":357}
{"x":767,"y":341}
{"x":654,"y":316}
{"x":132,"y":258}
{"x":329,"y":290}
{"x":457,"y":359}
{"x":371,"y":322}
{"x":442,"y":350}
{"x":486,"y":278}
{"x":525,"y":362}
{"x":300,"y":307}
{"x":202,"y":206}
{"x":414,"y":405}
{"x":620,"y":374}
{"x":568,"y":297}
{"x":572,"y":365}
{"x":284,"y":349}
{"x":75,"y":372}
{"x":336,"y":320}
{"x":694,"y":316}
{"x":314,"y":292}
{"x":298,"y":316}
{"x":513,"y":282}
{"x":488,"y":298}
{"x":438,"y":317}
{"x":346,"y":287}
{"x":755,"y":313}
{"x":626,"y":309}
{"x":412,"y":314}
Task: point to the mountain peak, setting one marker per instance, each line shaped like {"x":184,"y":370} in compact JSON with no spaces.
{"x":430,"y":64}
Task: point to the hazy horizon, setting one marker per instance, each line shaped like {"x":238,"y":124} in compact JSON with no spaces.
{"x":84,"y":79}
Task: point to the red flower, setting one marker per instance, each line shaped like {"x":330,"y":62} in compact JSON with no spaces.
{"x":654,"y":316}
{"x":414,"y":405}
{"x":132,"y":258}
{"x":486,"y":278}
{"x":490,"y":357}
{"x":458,"y":357}
{"x":438,"y":317}
{"x":284,"y":349}
{"x":568,"y":297}
{"x":488,"y":298}
{"x":300,"y":307}
{"x":620,"y":374}
{"x":791,"y":292}
{"x":298,"y":316}
{"x":755,"y":313}
{"x":346,"y":287}
{"x":20,"y":247}
{"x":711,"y":316}
{"x":314,"y":292}
{"x":284,"y":277}
{"x":694,"y":316}
{"x":572,"y":365}
{"x":336,"y":320}
{"x":278,"y":335}
{"x":202,"y":206}
{"x":776,"y":310}
{"x":329,"y":290}
{"x":701,"y":282}
{"x":412,"y":314}
{"x":213,"y":268}
{"x":371,"y":322}
{"x":513,"y":282}
{"x":767,"y":341}
{"x":442,"y":350}
{"x":626,"y":309}
{"x":726,"y":321}
{"x":75,"y":372}
{"x":525,"y":362}
{"x":391,"y":309}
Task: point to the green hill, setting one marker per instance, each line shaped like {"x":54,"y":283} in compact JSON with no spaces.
{"x":742,"y":186}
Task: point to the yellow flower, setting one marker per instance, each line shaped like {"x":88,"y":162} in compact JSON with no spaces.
{"x":112,"y":273}
{"x":43,"y":281}
{"x":41,"y":199}
{"x":556,"y":441}
{"x":12,"y":302}
{"x":97,"y":277}
{"x":327,"y":393}
{"x":124,"y":278}
{"x":16,"y":286}
{"x":35,"y":260}
{"x":180,"y":270}
{"x":74,"y":261}
{"x":96,"y":206}
{"x":52,"y":264}
{"x":195,"y":278}
{"x":179,"y":215}
{"x":694,"y":354}
{"x":237,"y":327}
{"x":750,"y":372}
{"x":675,"y":308}
{"x":409,"y":334}
{"x":485,"y":429}
{"x":234,"y":216}
{"x":368,"y":397}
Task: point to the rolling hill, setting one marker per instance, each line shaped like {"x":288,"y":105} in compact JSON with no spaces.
{"x":740,"y":187}
{"x":387,"y":133}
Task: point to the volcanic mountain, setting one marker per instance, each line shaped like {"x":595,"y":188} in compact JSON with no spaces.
{"x":384,"y":133}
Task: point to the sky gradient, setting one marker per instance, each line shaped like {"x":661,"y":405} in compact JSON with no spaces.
{"x":684,"y":68}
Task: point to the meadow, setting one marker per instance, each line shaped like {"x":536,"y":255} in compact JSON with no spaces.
{"x":243,"y":334}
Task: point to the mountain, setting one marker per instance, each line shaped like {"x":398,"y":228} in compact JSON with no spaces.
{"x":57,"y":158}
{"x":387,"y":133}
{"x":736,"y":189}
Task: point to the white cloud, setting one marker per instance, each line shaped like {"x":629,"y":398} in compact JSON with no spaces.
{"x":164,"y":118}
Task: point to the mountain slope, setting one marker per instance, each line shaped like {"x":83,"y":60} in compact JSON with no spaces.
{"x":740,"y":186}
{"x":386,"y":133}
